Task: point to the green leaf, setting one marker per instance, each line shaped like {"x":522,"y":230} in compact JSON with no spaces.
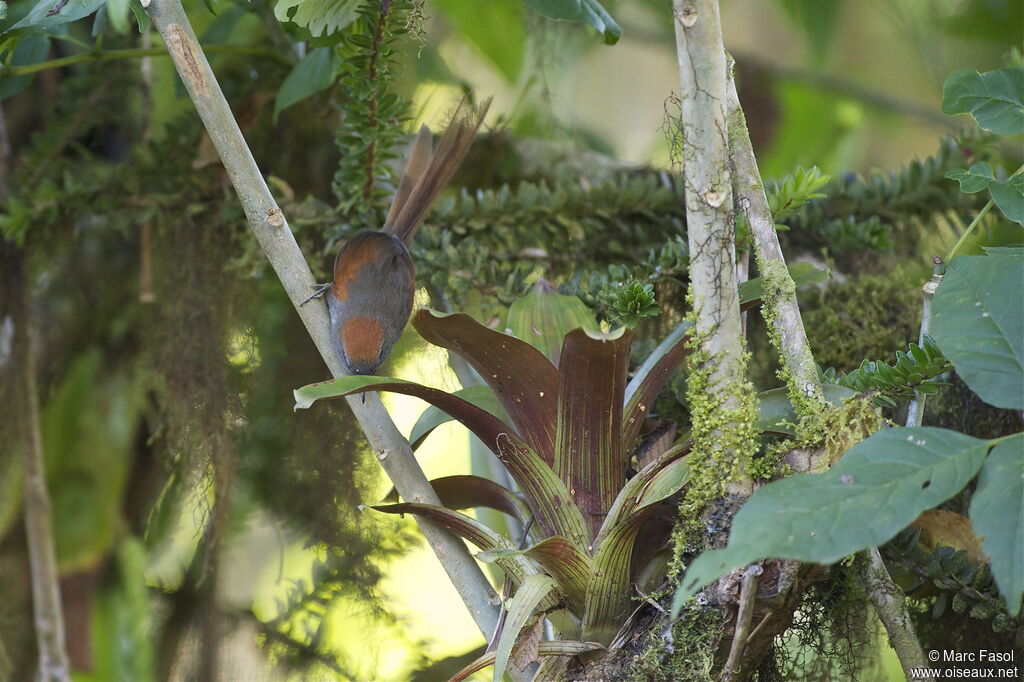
{"x":561,"y":559}
{"x":802,"y":273}
{"x":30,"y":50}
{"x":520,"y":608}
{"x":583,"y":11}
{"x":1009,"y":197}
{"x":432,"y":417}
{"x":556,"y":648}
{"x":524,"y":380}
{"x":995,"y":98}
{"x":633,"y":493}
{"x":588,"y":451}
{"x":997,"y":513}
{"x":117,"y":12}
{"x":648,"y":381}
{"x":777,"y":414}
{"x":609,"y":591}
{"x":817,"y":19}
{"x":548,"y":497}
{"x":877,"y":489}
{"x":321,"y":17}
{"x":314,"y":73}
{"x":978,"y":325}
{"x":38,"y":21}
{"x":516,"y":565}
{"x":475,"y":22}
{"x":543,"y":317}
{"x":141,"y":18}
{"x":474,"y":492}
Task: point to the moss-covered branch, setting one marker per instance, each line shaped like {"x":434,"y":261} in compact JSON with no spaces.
{"x":782,"y":314}
{"x":270,"y":228}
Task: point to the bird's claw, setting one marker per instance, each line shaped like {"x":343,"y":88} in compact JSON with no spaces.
{"x":320,"y":290}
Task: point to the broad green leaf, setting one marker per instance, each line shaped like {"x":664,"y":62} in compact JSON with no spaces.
{"x":543,"y":317}
{"x":588,"y":449}
{"x":974,"y":179}
{"x":803,"y":273}
{"x":1008,"y":194}
{"x":561,"y":559}
{"x":117,"y":12}
{"x":583,"y":11}
{"x":995,"y":98}
{"x":481,"y":396}
{"x":88,"y":427}
{"x":520,"y":608}
{"x":1009,"y":197}
{"x":475,"y":23}
{"x":38,"y":21}
{"x":817,"y":19}
{"x":474,"y":492}
{"x":314,"y":73}
{"x":524,"y":380}
{"x":550,"y":500}
{"x":555,"y":648}
{"x":878,"y":488}
{"x":648,"y":381}
{"x":997,"y":512}
{"x":776,"y":412}
{"x":321,"y":17}
{"x":31,"y":49}
{"x":978,"y":325}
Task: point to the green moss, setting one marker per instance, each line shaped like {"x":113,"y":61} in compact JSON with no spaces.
{"x":864,"y":318}
{"x":689,"y":658}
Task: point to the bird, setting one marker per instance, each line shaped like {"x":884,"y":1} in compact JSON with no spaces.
{"x":371,"y":297}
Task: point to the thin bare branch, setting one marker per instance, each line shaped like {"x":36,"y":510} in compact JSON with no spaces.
{"x":271,"y":230}
{"x":744,"y":617}
{"x":887,"y":598}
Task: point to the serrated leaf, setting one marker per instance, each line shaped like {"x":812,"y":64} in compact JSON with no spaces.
{"x":530,"y":594}
{"x":978,"y":325}
{"x":481,"y":396}
{"x":997,"y":512}
{"x":974,"y":179}
{"x":38,"y":21}
{"x":1009,"y":197}
{"x":583,"y":11}
{"x":877,"y":488}
{"x":995,"y":98}
{"x":321,"y":17}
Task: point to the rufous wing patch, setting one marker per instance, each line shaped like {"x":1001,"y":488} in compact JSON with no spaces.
{"x":352,"y":259}
{"x":362,"y":338}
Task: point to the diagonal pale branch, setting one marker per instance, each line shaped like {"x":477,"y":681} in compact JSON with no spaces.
{"x":271,"y":230}
{"x":779,"y":290}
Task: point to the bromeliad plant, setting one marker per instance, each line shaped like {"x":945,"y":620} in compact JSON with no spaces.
{"x":566,"y":427}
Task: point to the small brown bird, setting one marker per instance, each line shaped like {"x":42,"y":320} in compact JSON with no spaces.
{"x":374,"y":278}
